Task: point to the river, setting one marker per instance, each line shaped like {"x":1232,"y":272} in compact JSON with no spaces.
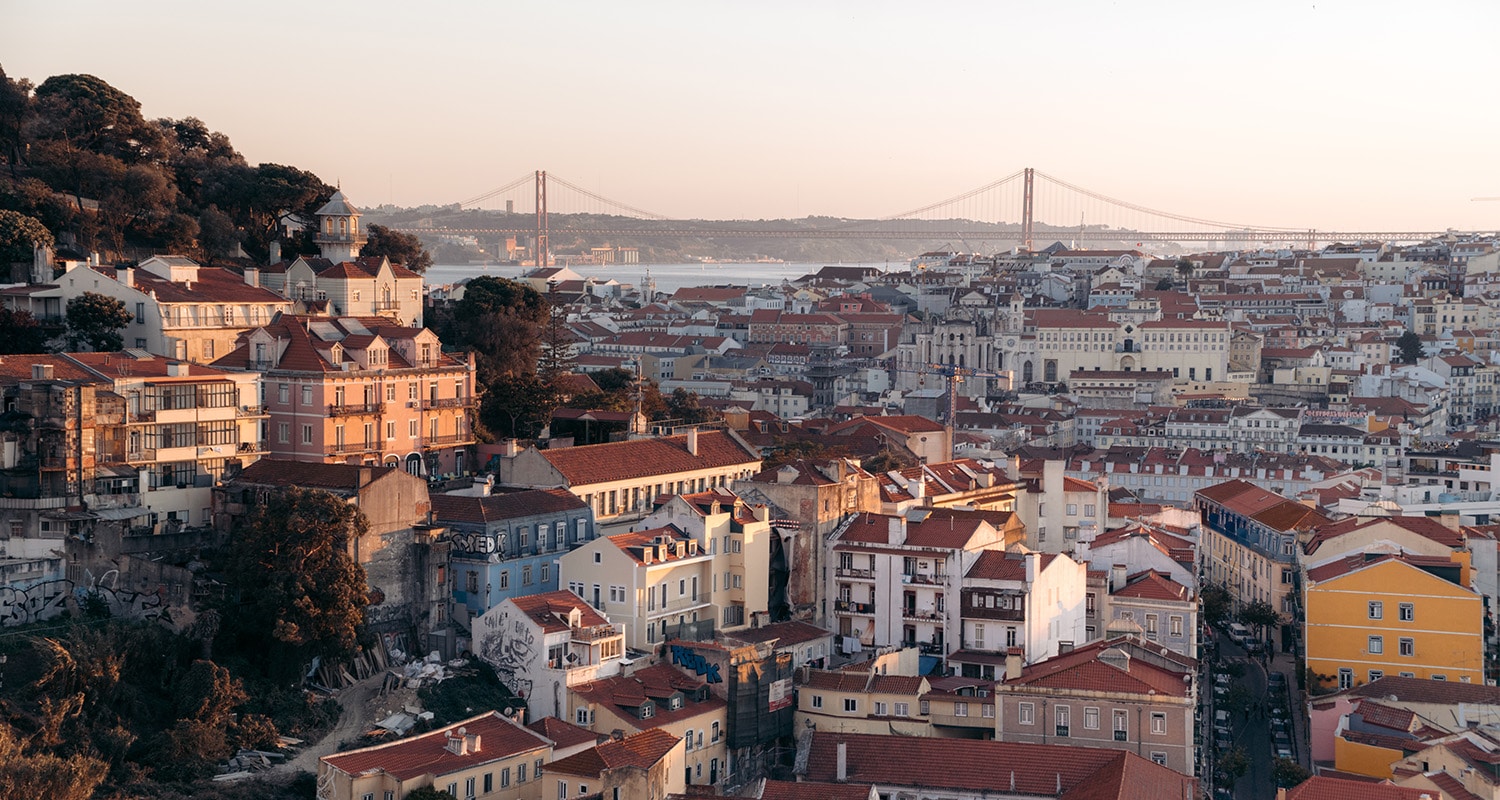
{"x":669,"y":277}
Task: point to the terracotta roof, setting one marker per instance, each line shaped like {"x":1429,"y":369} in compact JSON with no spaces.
{"x":640,"y":750}
{"x":1002,"y":565}
{"x":213,"y":285}
{"x":1083,"y":773}
{"x":940,"y":528}
{"x":562,"y":733}
{"x":1360,"y":561}
{"x":634,"y":544}
{"x":1153,"y":585}
{"x":782,"y":633}
{"x":863,"y":681}
{"x":428,"y":754}
{"x":616,"y":461}
{"x":1320,"y":787}
{"x":1422,"y":526}
{"x":656,"y":682}
{"x":1085,"y":669}
{"x":810,"y":790}
{"x":337,"y":478}
{"x":549,"y":610}
{"x":508,"y":505}
{"x":1420,"y":690}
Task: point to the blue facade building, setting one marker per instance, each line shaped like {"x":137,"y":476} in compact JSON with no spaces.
{"x":507,"y":544}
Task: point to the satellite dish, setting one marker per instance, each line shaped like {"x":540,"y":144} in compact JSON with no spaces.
{"x":508,"y":711}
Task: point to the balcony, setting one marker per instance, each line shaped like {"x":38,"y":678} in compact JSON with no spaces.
{"x":387,"y":305}
{"x":675,"y":606}
{"x":851,"y":607}
{"x":448,"y":440}
{"x":447,"y":402}
{"x":597,"y":632}
{"x":352,"y":409}
{"x":924,"y":578}
{"x":1005,"y":614}
{"x":355,"y":447}
{"x":923,"y":615}
{"x":141,"y":455}
{"x":250,"y":411}
{"x":850,"y":572}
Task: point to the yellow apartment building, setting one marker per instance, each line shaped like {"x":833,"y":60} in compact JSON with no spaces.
{"x":1371,"y":615}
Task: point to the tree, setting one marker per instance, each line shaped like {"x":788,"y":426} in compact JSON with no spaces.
{"x":517,"y":407}
{"x":20,"y":333}
{"x":1216,"y":603}
{"x":295,"y":590}
{"x":788,"y":450}
{"x":94,"y":322}
{"x":15,"y":109}
{"x":401,"y":248}
{"x":1237,"y":700}
{"x":1409,"y":347}
{"x":1184,"y":269}
{"x":217,"y":234}
{"x":45,"y":774}
{"x":501,"y":321}
{"x":1260,"y":615}
{"x":557,"y":342}
{"x":1288,"y":773}
{"x":1165,"y":284}
{"x":686,"y":406}
{"x":20,"y":234}
{"x":89,"y":114}
{"x":1235,"y":764}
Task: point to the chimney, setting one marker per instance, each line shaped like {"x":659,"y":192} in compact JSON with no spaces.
{"x":126,"y":276}
{"x":252,"y":276}
{"x":916,"y":487}
{"x":895,"y":530}
{"x":177,"y":370}
{"x":275,"y":256}
{"x":1052,"y":476}
{"x":1449,"y":518}
{"x":842,"y":765}
{"x":692,"y":441}
{"x":1116,"y":577}
{"x":1031,"y":562}
{"x":1013,"y":663}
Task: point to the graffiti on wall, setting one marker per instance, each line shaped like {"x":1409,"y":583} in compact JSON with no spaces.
{"x":476,"y":543}
{"x":48,"y":599}
{"x":510,"y":646}
{"x":692,"y":660}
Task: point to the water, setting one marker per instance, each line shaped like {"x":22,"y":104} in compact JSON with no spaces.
{"x":669,"y":277}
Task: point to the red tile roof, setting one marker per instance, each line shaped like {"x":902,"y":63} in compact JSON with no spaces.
{"x":337,"y":478}
{"x":508,"y":505}
{"x":635,"y":543}
{"x":810,"y":790}
{"x":784,"y":634}
{"x":1153,"y":585}
{"x":549,"y":610}
{"x":564,"y":734}
{"x":1002,"y":565}
{"x":1084,"y":669}
{"x":1422,"y":526}
{"x":656,"y":682}
{"x":428,"y":754}
{"x":1421,"y":690}
{"x":640,"y":750}
{"x":1082,"y":773}
{"x":641,"y":458}
{"x":1323,"y":788}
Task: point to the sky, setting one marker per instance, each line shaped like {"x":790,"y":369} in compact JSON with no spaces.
{"x":1333,"y":114}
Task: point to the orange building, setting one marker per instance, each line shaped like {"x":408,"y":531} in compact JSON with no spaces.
{"x":362,"y":390}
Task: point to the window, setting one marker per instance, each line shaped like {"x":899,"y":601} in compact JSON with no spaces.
{"x":1376,"y":674}
{"x":1346,"y":678}
{"x":469,"y":787}
{"x":1158,"y":723}
{"x":505,"y":777}
{"x":390,"y":430}
{"x":526,"y":575}
{"x":411,"y":429}
{"x":1026,"y":713}
{"x":282,"y":432}
{"x":817,"y":701}
{"x":307,"y":434}
{"x":1091,"y":719}
{"x":1377,"y":609}
{"x":1176,"y":625}
{"x":903,"y":709}
{"x":879,"y":709}
{"x":987,"y":710}
{"x":521,"y":772}
{"x":1061,"y":716}
{"x":453,"y":788}
{"x":1408,"y":612}
{"x":851,"y":705}
{"x":504,"y":579}
{"x":1159,"y":757}
{"x":581,"y":716}
{"x":1376,"y":645}
{"x":1121,"y":724}
{"x":1440,"y":677}
{"x":307,"y":395}
{"x":1408,"y":646}
{"x":960,"y":709}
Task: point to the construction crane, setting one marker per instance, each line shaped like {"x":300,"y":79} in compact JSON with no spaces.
{"x":954,"y":375}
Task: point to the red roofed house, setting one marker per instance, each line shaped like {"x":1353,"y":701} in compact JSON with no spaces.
{"x":1018,"y":599}
{"x":621,"y":480}
{"x":881,"y":698}
{"x":738,"y":535}
{"x":1122,"y":693}
{"x":652,"y":582}
{"x":648,"y":765}
{"x":362,"y":390}
{"x":1249,"y":541}
{"x":540,"y":644}
{"x":661,"y":698}
{"x":1152,"y":605}
{"x":969,"y":769}
{"x":486,"y":757}
{"x":897,"y":578}
{"x":1321,"y":787}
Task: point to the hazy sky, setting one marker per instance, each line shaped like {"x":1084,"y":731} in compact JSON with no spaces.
{"x":1344,"y":114}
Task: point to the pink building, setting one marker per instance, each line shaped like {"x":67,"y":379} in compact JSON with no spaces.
{"x":362,"y":390}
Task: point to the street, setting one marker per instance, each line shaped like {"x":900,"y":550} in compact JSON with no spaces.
{"x":1251,"y":728}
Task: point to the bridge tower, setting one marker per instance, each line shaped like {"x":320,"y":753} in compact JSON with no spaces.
{"x":1026,"y":215}
{"x":543,"y":252}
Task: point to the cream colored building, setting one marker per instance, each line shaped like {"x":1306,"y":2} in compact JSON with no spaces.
{"x":738,"y":537}
{"x":621,"y":480}
{"x":884,"y":697}
{"x":485,"y":757}
{"x":663,"y":698}
{"x":651,"y":582}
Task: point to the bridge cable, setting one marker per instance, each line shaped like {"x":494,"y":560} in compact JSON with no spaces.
{"x":955,"y":198}
{"x":552,"y":177}
{"x":1164,"y":214}
{"x":527,"y":178}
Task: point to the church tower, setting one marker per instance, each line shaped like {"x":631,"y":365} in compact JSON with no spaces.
{"x":339,"y":237}
{"x":1015,"y":318}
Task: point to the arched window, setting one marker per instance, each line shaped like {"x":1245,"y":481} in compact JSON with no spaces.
{"x":414,"y":464}
{"x":1026,"y":372}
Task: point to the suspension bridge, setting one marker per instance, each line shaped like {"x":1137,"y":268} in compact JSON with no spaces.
{"x":1024,"y":207}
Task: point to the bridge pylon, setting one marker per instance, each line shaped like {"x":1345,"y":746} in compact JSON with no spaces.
{"x":543,"y":252}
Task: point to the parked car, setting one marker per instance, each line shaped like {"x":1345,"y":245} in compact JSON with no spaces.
{"x":1276,"y":680}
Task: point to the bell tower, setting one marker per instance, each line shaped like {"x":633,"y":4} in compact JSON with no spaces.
{"x":339,"y":237}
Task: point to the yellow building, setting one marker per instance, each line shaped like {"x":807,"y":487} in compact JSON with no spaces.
{"x":1372,"y":615}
